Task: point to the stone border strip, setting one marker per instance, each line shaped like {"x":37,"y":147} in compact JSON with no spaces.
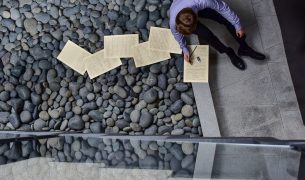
{"x":206,"y":110}
{"x":204,"y":160}
{"x":205,"y":104}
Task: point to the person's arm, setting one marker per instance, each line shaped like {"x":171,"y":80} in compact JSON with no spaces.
{"x":222,"y":8}
{"x":180,"y":39}
{"x":182,"y":43}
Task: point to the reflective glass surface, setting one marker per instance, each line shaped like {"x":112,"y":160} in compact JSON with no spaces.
{"x":76,"y":157}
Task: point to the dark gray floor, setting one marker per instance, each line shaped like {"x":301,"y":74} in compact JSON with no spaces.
{"x":291,"y":18}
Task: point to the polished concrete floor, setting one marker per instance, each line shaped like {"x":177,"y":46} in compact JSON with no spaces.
{"x":260,"y":101}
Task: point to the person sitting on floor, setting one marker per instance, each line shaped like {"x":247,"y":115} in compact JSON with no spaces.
{"x":184,"y":16}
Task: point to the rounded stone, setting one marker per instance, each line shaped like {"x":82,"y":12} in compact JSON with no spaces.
{"x":135,"y":127}
{"x":117,"y":31}
{"x":146,"y":119}
{"x":187,"y":99}
{"x":107,"y":114}
{"x":162,"y":81}
{"x":142,"y":19}
{"x":75,"y":146}
{"x":196,"y":122}
{"x":187,"y":148}
{"x":187,"y":161}
{"x":96,"y":127}
{"x":151,"y":79}
{"x":187,"y":111}
{"x":30,"y":26}
{"x":121,"y":124}
{"x":149,"y":162}
{"x":110,"y":122}
{"x":177,"y":132}
{"x":135,"y":116}
{"x":23,"y":92}
{"x":54,"y":113}
{"x":43,"y":115}
{"x":155,"y":68}
{"x":175,"y":164}
{"x":181,"y":87}
{"x":39,"y":124}
{"x":14,"y":120}
{"x":76,"y":123}
{"x":4,"y":96}
{"x":25,"y":117}
{"x":45,"y":64}
{"x":4,"y":117}
{"x":120,"y":91}
{"x":150,"y":96}
{"x":152,"y":130}
{"x":64,"y":125}
{"x":78,"y":155}
{"x":177,"y":106}
{"x":90,"y":96}
{"x":6,"y":14}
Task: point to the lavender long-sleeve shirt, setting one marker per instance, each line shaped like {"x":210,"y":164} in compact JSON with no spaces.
{"x":197,"y":5}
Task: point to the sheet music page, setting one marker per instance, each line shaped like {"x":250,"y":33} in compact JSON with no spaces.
{"x":120,"y":46}
{"x":73,"y":56}
{"x":97,"y":64}
{"x":162,"y":39}
{"x":144,"y":56}
{"x":199,"y":70}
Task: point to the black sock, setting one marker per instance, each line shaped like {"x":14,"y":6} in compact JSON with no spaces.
{"x":243,"y":44}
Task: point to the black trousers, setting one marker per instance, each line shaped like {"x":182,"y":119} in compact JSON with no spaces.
{"x":206,"y":35}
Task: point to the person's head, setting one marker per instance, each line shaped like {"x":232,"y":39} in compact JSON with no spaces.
{"x":186,"y":21}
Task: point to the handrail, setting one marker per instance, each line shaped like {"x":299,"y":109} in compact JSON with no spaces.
{"x":298,"y":145}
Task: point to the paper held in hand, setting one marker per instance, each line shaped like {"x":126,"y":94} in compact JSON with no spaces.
{"x":198,"y":71}
{"x":97,"y":64}
{"x":162,"y":39}
{"x":120,"y":46}
{"x":144,"y":56}
{"x":73,"y":56}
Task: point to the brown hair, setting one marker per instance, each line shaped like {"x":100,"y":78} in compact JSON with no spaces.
{"x":186,"y":21}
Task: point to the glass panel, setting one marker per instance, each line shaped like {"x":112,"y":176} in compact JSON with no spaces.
{"x":73,"y":157}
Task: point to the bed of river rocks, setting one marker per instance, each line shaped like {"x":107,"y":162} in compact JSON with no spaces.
{"x":37,"y":92}
{"x":110,"y":153}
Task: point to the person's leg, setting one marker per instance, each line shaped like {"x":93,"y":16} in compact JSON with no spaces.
{"x":205,"y":35}
{"x":244,"y":49}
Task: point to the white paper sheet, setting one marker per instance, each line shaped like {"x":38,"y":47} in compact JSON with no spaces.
{"x":144,"y":56}
{"x":97,"y":64}
{"x":199,"y":70}
{"x":120,"y":46}
{"x":162,"y":39}
{"x":73,"y":56}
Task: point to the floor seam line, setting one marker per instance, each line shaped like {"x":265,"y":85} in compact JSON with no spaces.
{"x":235,"y":82}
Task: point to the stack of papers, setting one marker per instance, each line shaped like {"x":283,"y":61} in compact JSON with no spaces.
{"x":161,"y":43}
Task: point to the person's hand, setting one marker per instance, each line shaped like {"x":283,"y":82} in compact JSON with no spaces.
{"x":240,"y":33}
{"x":187,"y":58}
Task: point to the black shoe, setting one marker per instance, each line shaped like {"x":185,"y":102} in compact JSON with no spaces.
{"x":251,"y":53}
{"x":236,"y":61}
